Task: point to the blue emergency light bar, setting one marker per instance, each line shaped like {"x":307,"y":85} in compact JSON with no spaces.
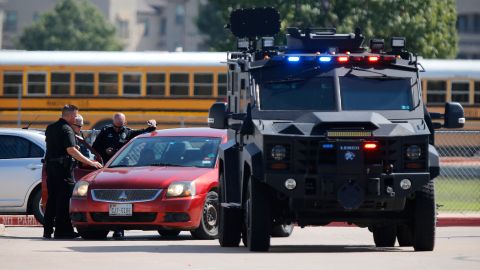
{"x":293,"y":58}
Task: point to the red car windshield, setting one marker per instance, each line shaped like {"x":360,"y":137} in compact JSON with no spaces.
{"x":169,"y":151}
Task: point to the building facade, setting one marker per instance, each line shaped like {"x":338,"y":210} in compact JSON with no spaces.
{"x":161,"y":25}
{"x":468,"y":26}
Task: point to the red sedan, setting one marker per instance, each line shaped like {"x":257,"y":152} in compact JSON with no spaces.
{"x":165,"y":180}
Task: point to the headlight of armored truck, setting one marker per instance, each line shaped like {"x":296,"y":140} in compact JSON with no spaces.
{"x":413,"y":152}
{"x":279,"y":152}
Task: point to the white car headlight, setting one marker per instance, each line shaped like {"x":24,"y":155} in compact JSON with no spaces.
{"x":80,"y":189}
{"x":181,"y":189}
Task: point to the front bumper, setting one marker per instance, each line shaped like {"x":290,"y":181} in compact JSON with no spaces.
{"x":162,"y":213}
{"x":349,"y":191}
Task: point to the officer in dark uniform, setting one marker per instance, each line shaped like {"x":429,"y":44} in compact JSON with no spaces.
{"x":113,"y":137}
{"x":59,"y":158}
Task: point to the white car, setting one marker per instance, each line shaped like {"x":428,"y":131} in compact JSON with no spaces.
{"x":21,"y":153}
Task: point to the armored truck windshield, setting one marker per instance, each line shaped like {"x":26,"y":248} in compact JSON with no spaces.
{"x":356,"y":93}
{"x":362,"y":93}
{"x":316,"y":94}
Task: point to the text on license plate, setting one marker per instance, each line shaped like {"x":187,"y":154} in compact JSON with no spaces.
{"x":120,"y":209}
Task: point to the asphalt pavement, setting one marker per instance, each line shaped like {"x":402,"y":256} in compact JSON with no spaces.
{"x":309,"y":248}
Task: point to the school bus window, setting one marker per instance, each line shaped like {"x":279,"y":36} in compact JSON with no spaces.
{"x":179,"y":84}
{"x":12,"y":83}
{"x":84,"y":84}
{"x":108,"y":84}
{"x":60,"y":83}
{"x":460,"y":91}
{"x":155,"y":84}
{"x":203,"y":84}
{"x":36,"y":83}
{"x":436,"y":92}
{"x":222,"y":84}
{"x":476,"y":87}
{"x":131,"y":83}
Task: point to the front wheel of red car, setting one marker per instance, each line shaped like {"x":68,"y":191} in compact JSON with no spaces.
{"x":208,"y":228}
{"x":90,"y":234}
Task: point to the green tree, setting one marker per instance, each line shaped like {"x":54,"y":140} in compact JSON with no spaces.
{"x":428,"y":25}
{"x":71,"y":25}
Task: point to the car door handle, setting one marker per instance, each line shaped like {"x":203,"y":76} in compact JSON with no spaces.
{"x":34,"y":166}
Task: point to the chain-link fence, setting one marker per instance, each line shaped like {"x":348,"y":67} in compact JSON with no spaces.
{"x":458,"y":186}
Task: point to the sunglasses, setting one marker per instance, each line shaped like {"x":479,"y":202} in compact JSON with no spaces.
{"x":119,"y":127}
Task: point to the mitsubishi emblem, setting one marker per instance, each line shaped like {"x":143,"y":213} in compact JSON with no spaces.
{"x":123,"y":196}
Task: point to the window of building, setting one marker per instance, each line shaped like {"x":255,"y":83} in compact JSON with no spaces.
{"x":436,"y":92}
{"x":84,"y":83}
{"x":460,"y":92}
{"x":132,"y":82}
{"x":155,"y":84}
{"x":476,"y":23}
{"x":60,"y":83}
{"x":12,"y":83}
{"x":462,"y":23}
{"x":10,"y":22}
{"x":146,"y":26}
{"x":179,"y":84}
{"x":163,"y":26}
{"x":203,"y":84}
{"x":180,"y":14}
{"x":17,"y":147}
{"x":108,"y":84}
{"x":222,"y":84}
{"x":36,"y":83}
{"x":122,"y":28}
{"x":477,"y":92}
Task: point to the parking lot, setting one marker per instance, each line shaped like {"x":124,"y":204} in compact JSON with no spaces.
{"x":310,"y":248}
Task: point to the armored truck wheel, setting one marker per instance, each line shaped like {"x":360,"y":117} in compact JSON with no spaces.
{"x":404,"y":235}
{"x":282,"y":230}
{"x":424,"y":222}
{"x":229,"y":222}
{"x":257,"y":216}
{"x":384,"y":236}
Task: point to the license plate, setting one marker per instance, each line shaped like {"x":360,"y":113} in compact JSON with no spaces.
{"x":122,"y":210}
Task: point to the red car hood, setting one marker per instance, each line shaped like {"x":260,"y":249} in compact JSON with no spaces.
{"x":145,"y":177}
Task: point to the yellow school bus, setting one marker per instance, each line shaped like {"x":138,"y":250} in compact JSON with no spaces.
{"x":176,"y":89}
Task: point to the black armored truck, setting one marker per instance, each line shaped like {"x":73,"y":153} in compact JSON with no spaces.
{"x":324,"y":130}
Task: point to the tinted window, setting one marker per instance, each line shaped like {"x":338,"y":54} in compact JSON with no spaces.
{"x":84,"y":83}
{"x":179,"y":84}
{"x":60,"y":83}
{"x":131,"y":84}
{"x":375,"y":94}
{"x":169,"y":151}
{"x":36,"y":83}
{"x":108,"y":84}
{"x":203,"y":84}
{"x":17,"y":147}
{"x":313,"y":94}
{"x":12,"y":83}
{"x":155,"y":84}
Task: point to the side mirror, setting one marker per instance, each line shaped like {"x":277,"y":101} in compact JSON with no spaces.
{"x":217,"y":116}
{"x":454,"y":115}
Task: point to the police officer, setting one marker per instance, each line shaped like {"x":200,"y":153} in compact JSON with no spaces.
{"x":61,"y":150}
{"x":112,"y":137}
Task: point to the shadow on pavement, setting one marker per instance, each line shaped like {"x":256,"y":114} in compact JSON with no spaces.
{"x":218,"y":249}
